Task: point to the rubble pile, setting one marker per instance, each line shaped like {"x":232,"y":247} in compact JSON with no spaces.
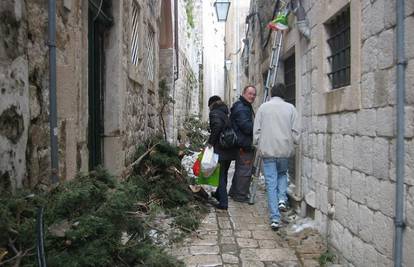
{"x":98,"y":220}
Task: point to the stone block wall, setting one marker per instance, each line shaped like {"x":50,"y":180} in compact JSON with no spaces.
{"x":24,"y":59}
{"x":348,"y":159}
{"x":348,"y":149}
{"x":130,"y":100}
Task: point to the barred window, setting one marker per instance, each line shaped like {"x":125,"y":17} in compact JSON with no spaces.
{"x":150,"y":54}
{"x":340,"y":49}
{"x":134,"y":33}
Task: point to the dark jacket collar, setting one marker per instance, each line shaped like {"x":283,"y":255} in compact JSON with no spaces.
{"x":244,"y":101}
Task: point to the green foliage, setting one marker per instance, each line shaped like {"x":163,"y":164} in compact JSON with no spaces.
{"x":325,"y":258}
{"x":196,"y":131}
{"x":99,"y":211}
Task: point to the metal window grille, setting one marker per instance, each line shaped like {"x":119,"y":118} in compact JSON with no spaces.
{"x":134,"y":34}
{"x":340,"y":45}
{"x":290,"y":79}
{"x":150,"y":54}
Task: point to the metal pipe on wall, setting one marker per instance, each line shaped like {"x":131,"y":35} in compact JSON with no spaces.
{"x":52,"y":91}
{"x":399,"y":197}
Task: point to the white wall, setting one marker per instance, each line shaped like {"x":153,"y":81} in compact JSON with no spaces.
{"x":213,"y":55}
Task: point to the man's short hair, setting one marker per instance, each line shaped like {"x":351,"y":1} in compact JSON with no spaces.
{"x":278,"y":90}
{"x":247,"y":86}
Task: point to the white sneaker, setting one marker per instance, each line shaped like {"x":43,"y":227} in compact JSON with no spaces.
{"x":282,"y":207}
{"x":275,"y":225}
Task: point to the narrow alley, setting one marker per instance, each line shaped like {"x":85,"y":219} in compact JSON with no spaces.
{"x":105,"y":105}
{"x":241,"y":236}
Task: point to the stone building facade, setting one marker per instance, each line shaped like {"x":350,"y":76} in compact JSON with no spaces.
{"x":345,"y":166}
{"x":107,"y":86}
{"x":180,"y":62}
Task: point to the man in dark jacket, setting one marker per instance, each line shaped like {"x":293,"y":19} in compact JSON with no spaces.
{"x":218,"y":117}
{"x":242,"y":117}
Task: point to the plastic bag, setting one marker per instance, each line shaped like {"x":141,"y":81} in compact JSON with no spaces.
{"x":196,"y":167}
{"x":209,"y":161}
{"x":213,"y":179}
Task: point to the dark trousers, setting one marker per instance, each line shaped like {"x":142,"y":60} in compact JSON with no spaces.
{"x":240,"y":184}
{"x":222,"y":188}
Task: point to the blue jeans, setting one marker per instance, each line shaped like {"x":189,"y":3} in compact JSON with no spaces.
{"x":275,"y":172}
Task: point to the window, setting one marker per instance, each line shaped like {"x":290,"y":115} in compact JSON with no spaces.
{"x":150,"y":54}
{"x":134,"y":34}
{"x":290,"y":79}
{"x":338,"y":30}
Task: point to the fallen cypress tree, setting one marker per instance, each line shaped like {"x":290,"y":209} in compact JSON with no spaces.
{"x":97,"y":220}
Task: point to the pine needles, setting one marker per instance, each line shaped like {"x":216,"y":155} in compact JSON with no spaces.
{"x":96,"y":220}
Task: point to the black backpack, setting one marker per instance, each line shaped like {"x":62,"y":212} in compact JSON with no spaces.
{"x":228,"y":137}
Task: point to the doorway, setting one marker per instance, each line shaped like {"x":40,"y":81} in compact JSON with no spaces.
{"x":99,"y":21}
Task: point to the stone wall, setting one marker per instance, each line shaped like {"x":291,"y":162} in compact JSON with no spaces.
{"x":14,"y":92}
{"x":130,"y":98}
{"x":347,"y":155}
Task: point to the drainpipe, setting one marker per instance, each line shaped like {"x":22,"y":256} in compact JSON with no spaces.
{"x":302,"y":22}
{"x":52,"y":91}
{"x":176,"y":45}
{"x":399,"y":201}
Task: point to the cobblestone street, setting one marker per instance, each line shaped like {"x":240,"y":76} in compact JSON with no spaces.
{"x":240,"y":236}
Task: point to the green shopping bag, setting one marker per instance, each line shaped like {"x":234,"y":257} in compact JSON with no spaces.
{"x":210,"y":180}
{"x":213,"y":179}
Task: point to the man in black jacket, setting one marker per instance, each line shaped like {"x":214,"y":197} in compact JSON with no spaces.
{"x":218,"y":117}
{"x":242,"y":117}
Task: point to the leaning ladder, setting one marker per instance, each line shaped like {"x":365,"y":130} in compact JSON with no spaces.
{"x":270,"y":81}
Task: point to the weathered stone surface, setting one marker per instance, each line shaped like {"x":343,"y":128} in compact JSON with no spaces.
{"x":267,"y":254}
{"x":383,"y":229}
{"x":365,"y":221}
{"x":385,"y":123}
{"x":366,"y":119}
{"x":228,"y":258}
{"x":373,"y":19}
{"x":196,"y":250}
{"x":246,"y":263}
{"x":247,"y":243}
{"x":203,"y":260}
{"x":364,"y":149}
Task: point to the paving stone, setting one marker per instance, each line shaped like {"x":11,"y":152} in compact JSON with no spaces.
{"x":268,"y":254}
{"x":268,"y":243}
{"x":228,"y":258}
{"x":252,"y":264}
{"x":207,"y":240}
{"x":227,"y":240}
{"x":209,"y":226}
{"x":196,"y":250}
{"x":244,"y":234}
{"x":203,"y":260}
{"x":224,"y":224}
{"x":264,"y":234}
{"x":229,"y":248}
{"x":247,"y":243}
{"x":226,"y":233}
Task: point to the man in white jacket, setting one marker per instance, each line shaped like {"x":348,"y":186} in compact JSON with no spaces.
{"x":276,"y":130}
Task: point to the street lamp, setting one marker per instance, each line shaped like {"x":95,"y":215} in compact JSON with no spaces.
{"x":222,"y":9}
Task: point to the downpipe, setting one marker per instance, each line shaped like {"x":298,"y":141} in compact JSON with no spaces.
{"x":399,"y":197}
{"x":301,"y":21}
{"x":52,"y":91}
